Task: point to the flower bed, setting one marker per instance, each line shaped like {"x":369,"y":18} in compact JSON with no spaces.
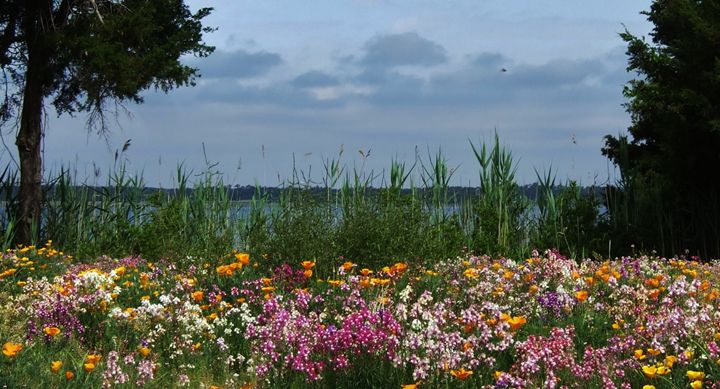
{"x":545,"y":321}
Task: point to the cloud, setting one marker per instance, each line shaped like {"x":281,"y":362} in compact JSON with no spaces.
{"x":493,"y":80}
{"x":314,"y":79}
{"x":408,"y":48}
{"x":236,"y":64}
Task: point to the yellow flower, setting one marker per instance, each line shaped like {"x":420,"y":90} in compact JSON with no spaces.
{"x":470,"y":273}
{"x":498,"y":374}
{"x":11,"y":349}
{"x":648,"y":386}
{"x":533,"y":289}
{"x":670,"y":360}
{"x":55,"y":366}
{"x":120,"y":271}
{"x":89,"y":367}
{"x":144,"y":351}
{"x":51,"y":331}
{"x":214,"y":387}
{"x":697,"y":384}
{"x":69,"y":375}
{"x":695,"y":375}
{"x":640,"y":355}
{"x":649,"y":371}
{"x":663,"y":370}
{"x":689,"y":354}
{"x":411,"y":386}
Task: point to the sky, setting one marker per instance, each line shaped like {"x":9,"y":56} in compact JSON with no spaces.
{"x":298,"y":83}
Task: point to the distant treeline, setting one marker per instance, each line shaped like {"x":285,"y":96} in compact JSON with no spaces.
{"x":273,"y":193}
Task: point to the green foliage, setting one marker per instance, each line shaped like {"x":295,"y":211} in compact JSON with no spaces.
{"x":109,"y":51}
{"x":668,"y":174}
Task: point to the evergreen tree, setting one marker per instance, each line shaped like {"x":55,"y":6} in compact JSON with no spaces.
{"x":671,"y":164}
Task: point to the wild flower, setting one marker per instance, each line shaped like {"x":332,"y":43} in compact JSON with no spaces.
{"x":11,"y":349}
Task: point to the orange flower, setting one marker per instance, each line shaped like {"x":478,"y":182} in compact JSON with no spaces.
{"x":347,"y":266}
{"x":581,"y":295}
{"x":55,"y":366}
{"x":461,"y":374}
{"x":335,"y":282}
{"x":589,"y":281}
{"x":144,"y":351}
{"x":11,"y":349}
{"x":516,"y":322}
{"x":366,"y":272}
{"x":399,"y":268}
{"x":308,"y":273}
{"x":197,"y":295}
{"x":93,"y":358}
{"x":243,"y":258}
{"x":69,"y":375}
{"x":411,"y":386}
{"x":51,"y":331}
{"x":225,"y":270}
{"x":533,"y":289}
{"x":307,"y":265}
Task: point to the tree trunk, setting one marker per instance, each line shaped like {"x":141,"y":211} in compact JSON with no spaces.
{"x":28,"y":142}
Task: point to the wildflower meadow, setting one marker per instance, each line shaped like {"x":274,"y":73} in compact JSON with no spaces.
{"x":241,"y":321}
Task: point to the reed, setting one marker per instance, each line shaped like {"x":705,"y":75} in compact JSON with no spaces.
{"x":403,"y":213}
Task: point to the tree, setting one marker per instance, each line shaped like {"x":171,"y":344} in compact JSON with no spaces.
{"x":86,"y":56}
{"x":670,"y":165}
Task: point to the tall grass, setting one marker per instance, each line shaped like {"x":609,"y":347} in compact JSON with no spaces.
{"x":404,"y":213}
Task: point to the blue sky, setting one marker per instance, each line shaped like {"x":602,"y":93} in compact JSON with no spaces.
{"x":395,"y":78}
